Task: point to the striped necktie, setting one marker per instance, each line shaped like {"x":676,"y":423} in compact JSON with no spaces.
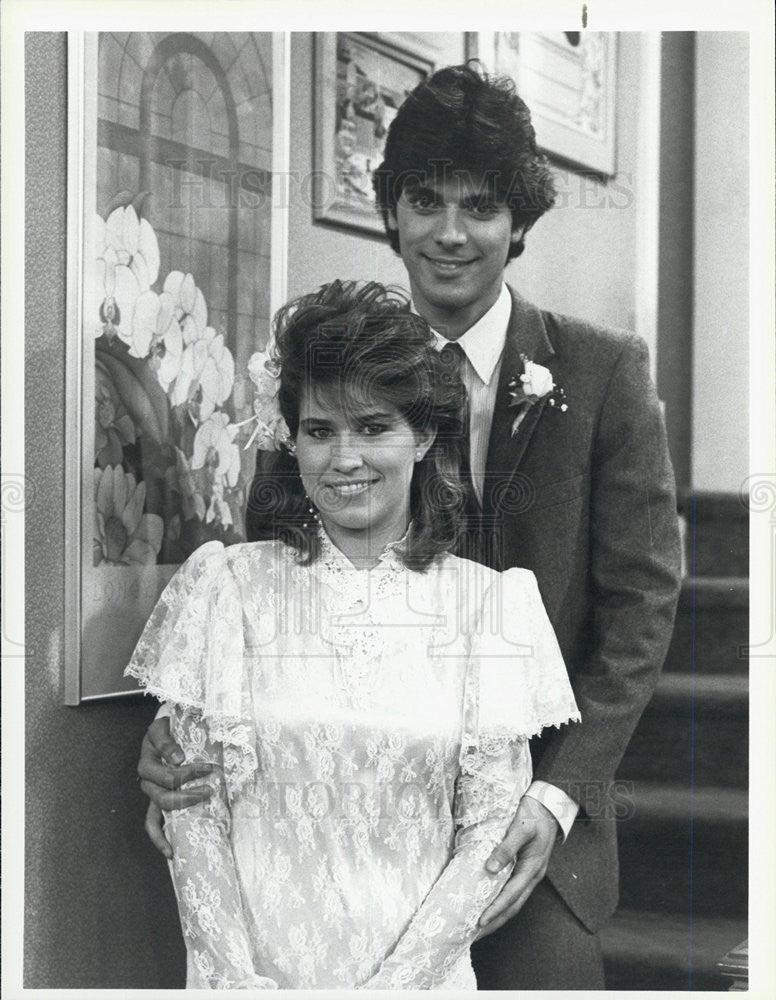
{"x":454,"y":357}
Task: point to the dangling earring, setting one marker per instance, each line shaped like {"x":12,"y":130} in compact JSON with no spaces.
{"x":312,"y":513}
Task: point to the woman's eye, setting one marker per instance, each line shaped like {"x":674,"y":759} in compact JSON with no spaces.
{"x":372,"y":430}
{"x":483,"y":208}
{"x":319,"y":433}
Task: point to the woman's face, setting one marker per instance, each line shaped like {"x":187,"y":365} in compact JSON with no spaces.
{"x":356,"y":458}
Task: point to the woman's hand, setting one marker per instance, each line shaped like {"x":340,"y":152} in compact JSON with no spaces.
{"x":530,"y":839}
{"x":161,"y":773}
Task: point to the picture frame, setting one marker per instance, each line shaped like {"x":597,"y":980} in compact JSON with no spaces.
{"x":361,"y":79}
{"x":569,"y":82}
{"x":178,"y":167}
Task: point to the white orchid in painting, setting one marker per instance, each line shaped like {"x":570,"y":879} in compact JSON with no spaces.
{"x":218,"y":509}
{"x":127,"y":266}
{"x":188,"y":304}
{"x":219,"y":457}
{"x":206,"y":375}
{"x":156,"y":334}
{"x":215,"y":450}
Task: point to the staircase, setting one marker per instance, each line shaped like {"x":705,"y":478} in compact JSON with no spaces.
{"x":683,"y":852}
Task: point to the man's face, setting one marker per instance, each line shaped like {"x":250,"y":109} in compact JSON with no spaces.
{"x":454,"y":237}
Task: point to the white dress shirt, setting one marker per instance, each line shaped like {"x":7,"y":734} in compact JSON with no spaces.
{"x":483,"y":345}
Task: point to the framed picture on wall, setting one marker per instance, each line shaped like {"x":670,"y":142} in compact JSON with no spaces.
{"x":569,"y":81}
{"x":177,"y":234}
{"x":360,"y":82}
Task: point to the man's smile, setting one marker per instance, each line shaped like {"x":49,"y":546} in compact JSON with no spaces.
{"x":450,"y":264}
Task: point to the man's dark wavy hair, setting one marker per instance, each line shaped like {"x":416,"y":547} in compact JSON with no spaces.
{"x":462,"y":122}
{"x":363,"y":341}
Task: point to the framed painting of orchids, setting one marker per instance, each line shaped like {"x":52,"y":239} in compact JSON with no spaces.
{"x":177,"y":229}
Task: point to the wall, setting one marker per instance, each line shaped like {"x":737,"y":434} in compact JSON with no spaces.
{"x":720,"y":448}
{"x":580,"y":257}
{"x":675,"y":244}
{"x":99,"y":907}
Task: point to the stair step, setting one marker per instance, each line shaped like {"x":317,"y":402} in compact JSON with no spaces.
{"x":724,"y":694}
{"x":685,"y":850}
{"x":714,"y":592}
{"x":696,"y":727}
{"x":720,"y":806}
{"x":717,"y":533}
{"x":714,"y":506}
{"x":652,"y":951}
{"x":711,"y":632}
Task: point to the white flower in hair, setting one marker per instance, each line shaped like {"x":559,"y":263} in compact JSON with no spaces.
{"x":271,"y":432}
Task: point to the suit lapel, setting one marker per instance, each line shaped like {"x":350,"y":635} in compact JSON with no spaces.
{"x":526,"y":335}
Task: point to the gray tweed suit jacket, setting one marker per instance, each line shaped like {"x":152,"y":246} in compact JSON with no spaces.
{"x":585,"y":498}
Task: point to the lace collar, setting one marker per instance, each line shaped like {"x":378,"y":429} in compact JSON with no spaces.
{"x":334,"y":558}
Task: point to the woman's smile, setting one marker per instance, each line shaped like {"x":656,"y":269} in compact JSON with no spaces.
{"x":350,"y":488}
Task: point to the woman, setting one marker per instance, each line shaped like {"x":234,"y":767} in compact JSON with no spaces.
{"x":367,"y":697}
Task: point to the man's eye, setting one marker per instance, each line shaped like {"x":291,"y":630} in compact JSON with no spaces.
{"x":483,"y":208}
{"x":421,"y":200}
{"x":319,"y":433}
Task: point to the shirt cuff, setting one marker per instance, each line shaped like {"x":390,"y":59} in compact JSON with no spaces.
{"x":562,"y":806}
{"x":164,"y":711}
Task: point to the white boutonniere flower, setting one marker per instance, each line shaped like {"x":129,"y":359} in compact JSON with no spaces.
{"x":536,"y":382}
{"x":533,"y":384}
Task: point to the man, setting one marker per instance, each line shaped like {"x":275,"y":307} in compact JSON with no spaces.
{"x":570,"y":471}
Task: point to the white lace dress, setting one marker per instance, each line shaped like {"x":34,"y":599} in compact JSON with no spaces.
{"x":370,"y":733}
